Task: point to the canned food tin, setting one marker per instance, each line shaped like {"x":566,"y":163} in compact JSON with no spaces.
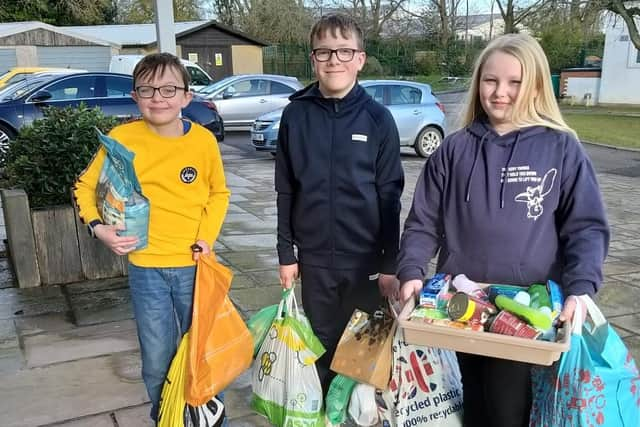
{"x":506,"y":323}
{"x":465,"y":308}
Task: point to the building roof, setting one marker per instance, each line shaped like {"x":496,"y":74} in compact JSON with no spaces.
{"x":12,"y":28}
{"x":145,"y":34}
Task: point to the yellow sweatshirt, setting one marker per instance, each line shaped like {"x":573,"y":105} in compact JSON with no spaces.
{"x":184,"y":181}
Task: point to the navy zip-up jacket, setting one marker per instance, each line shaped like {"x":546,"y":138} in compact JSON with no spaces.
{"x":519,"y":208}
{"x":339,"y":179}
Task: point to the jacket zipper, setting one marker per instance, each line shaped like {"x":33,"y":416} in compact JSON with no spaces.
{"x":332,"y":184}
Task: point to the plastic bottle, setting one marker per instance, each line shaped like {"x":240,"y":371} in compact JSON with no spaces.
{"x":539,"y":296}
{"x":463,"y":284}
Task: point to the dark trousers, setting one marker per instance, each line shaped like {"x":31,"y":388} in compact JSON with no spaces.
{"x":329,"y":297}
{"x":497,"y":392}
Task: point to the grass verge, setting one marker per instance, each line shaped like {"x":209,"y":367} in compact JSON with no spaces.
{"x":606,"y":128}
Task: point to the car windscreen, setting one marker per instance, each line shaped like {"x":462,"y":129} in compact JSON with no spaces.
{"x":217,"y":85}
{"x":18,"y":89}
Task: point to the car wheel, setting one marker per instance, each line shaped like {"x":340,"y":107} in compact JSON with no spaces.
{"x":6,"y":135}
{"x":429,"y":139}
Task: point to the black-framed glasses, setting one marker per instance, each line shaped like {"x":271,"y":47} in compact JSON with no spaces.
{"x":168,"y":91}
{"x":344,"y":54}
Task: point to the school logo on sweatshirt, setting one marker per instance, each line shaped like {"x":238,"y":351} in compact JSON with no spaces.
{"x":358,"y":137}
{"x":533,"y":196}
{"x":188,"y":174}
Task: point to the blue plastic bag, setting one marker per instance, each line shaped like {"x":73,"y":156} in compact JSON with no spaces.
{"x":595,"y":383}
{"x":119,"y":195}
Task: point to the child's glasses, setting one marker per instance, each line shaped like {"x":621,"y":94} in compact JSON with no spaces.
{"x":165,"y":91}
{"x":343,"y":54}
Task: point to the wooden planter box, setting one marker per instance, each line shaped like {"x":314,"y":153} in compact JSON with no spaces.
{"x":51,"y":246}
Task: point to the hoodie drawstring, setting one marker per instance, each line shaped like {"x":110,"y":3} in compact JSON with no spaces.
{"x":473,"y":166}
{"x":506,"y":170}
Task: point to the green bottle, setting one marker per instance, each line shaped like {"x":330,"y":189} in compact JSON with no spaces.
{"x":539,"y":296}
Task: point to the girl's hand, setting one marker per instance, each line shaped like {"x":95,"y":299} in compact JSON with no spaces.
{"x":120,"y":245}
{"x":569,"y":309}
{"x":203,"y":249}
{"x":410,"y":289}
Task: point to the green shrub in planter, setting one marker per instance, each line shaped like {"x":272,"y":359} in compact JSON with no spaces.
{"x":46,"y":157}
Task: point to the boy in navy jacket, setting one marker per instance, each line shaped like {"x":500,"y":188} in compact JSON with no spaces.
{"x":339,"y":180}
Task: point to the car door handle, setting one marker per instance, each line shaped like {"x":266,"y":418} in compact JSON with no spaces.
{"x":416,"y":112}
{"x":262,"y":101}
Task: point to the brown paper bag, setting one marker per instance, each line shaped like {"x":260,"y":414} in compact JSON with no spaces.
{"x":364,"y":350}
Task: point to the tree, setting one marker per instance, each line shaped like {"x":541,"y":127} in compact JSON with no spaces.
{"x":438,"y":18}
{"x":59,"y":12}
{"x":265,"y":20}
{"x":142,"y":11}
{"x":225,"y":11}
{"x":513,"y":12}
{"x":629,"y":12}
{"x":373,"y":14}
{"x":565,"y":29}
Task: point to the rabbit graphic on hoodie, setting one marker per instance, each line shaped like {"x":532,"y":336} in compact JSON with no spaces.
{"x":518,"y":208}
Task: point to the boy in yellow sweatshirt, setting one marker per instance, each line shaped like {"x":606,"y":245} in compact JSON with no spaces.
{"x":179,"y":168}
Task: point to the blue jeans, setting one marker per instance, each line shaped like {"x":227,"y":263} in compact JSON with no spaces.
{"x":162,"y":303}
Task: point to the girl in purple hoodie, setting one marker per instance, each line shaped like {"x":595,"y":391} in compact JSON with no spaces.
{"x":511,"y":197}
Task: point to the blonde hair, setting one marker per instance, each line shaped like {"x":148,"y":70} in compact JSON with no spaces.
{"x":536,"y":104}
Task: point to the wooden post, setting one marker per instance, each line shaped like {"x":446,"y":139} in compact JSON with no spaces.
{"x":22,"y":247}
{"x":57,"y":246}
{"x":98,"y":262}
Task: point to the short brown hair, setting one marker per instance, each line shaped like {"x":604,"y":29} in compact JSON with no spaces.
{"x":155,"y":63}
{"x":334,"y":22}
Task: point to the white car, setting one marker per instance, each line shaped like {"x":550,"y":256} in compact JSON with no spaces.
{"x":124,"y":64}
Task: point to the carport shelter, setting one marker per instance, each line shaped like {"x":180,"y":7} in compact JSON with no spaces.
{"x":36,"y":44}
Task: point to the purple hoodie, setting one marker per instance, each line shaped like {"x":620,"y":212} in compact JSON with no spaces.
{"x":519,"y":208}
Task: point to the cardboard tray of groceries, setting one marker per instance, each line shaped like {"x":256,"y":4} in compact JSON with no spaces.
{"x":483,"y":343}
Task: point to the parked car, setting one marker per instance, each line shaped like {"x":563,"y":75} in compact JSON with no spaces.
{"x":124,"y":64}
{"x":241,"y":99}
{"x":18,"y":74}
{"x":418,"y":114}
{"x":23,"y":102}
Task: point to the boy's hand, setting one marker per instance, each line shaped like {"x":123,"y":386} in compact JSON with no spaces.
{"x":288,"y":273}
{"x":410,"y":289}
{"x":204,"y":249}
{"x":120,"y":245}
{"x":389,"y":286}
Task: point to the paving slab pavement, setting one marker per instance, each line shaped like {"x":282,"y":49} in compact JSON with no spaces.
{"x":68,"y":354}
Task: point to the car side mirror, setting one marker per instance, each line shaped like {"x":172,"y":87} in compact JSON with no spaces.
{"x":227,"y":94}
{"x":41,"y":96}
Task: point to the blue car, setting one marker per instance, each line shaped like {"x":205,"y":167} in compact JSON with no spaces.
{"x":23,"y":102}
{"x":264,"y":131}
{"x":418,"y":114}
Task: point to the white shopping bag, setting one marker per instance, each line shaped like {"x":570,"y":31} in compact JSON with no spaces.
{"x":286,"y":387}
{"x":425,"y":387}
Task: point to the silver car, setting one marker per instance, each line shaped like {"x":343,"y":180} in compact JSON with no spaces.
{"x":241,"y":99}
{"x":418,"y":114}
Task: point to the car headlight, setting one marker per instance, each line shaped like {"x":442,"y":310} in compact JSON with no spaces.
{"x":276,"y":125}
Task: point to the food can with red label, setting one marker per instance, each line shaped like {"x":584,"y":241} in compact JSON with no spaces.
{"x":506,"y":323}
{"x":465,"y":308}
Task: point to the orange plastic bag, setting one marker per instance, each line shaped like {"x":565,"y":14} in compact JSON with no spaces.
{"x":221,"y":346}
